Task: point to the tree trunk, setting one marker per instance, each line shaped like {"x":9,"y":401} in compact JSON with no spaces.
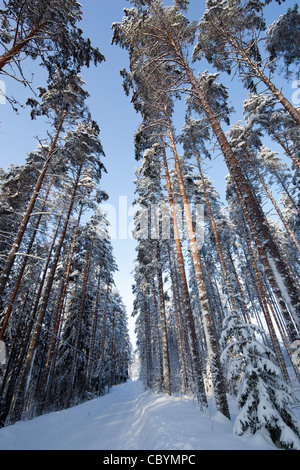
{"x":286,"y":284}
{"x":167,"y":371}
{"x":78,"y":328}
{"x":103,"y":338}
{"x":148,"y":345}
{"x":259,"y":74}
{"x":17,"y":48}
{"x":18,"y":239}
{"x":13,"y":393}
{"x":179,"y":330}
{"x":198,"y":379}
{"x":265,"y":308}
{"x":91,"y":357}
{"x":44,"y":301}
{"x":159,"y":353}
{"x":18,"y":282}
{"x":209,"y":328}
{"x":53,"y":339}
{"x":226,"y":276}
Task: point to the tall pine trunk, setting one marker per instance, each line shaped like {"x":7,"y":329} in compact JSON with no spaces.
{"x":24,"y":264}
{"x":179,"y":330}
{"x":46,"y":373}
{"x":208,"y":323}
{"x":198,"y":378}
{"x":11,"y":400}
{"x":24,"y":380}
{"x":72,"y":375}
{"x":18,"y":239}
{"x":13,"y":52}
{"x":289,"y":290}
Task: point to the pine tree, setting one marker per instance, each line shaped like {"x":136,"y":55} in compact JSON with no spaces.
{"x":47,"y":30}
{"x":281,"y":39}
{"x":228,"y":36}
{"x":263,"y":397}
{"x":62,"y":101}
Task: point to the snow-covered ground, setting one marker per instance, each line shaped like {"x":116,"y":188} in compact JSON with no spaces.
{"x":130,"y":418}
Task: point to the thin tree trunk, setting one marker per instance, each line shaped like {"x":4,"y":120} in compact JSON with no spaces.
{"x":285,"y":148}
{"x":196,"y":363}
{"x":159,"y":353}
{"x":44,"y":301}
{"x":241,"y":293}
{"x":209,"y":328}
{"x":293,"y":202}
{"x":24,"y":264}
{"x":180,"y":337}
{"x":103,"y":338}
{"x":12,"y":393}
{"x":289,"y":291}
{"x":18,"y":239}
{"x":259,"y":74}
{"x":282,"y":218}
{"x":226,"y":276}
{"x":266,"y":311}
{"x":79,"y":326}
{"x":148,"y":345}
{"x":292,"y":329}
{"x":166,"y":359}
{"x":91,"y":358}
{"x":167,"y":370}
{"x":53,"y":338}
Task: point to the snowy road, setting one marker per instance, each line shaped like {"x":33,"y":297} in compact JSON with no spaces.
{"x":130,"y":418}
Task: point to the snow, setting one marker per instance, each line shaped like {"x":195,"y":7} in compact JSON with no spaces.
{"x":132,"y":418}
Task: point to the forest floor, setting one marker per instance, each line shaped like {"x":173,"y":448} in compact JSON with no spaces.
{"x":131,"y":418}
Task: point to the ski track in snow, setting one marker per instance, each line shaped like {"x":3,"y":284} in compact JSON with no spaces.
{"x":130,"y":418}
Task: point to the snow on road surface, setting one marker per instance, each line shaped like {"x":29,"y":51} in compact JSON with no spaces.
{"x":130,"y":418}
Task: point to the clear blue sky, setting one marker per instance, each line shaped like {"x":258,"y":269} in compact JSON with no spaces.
{"x":113,"y":112}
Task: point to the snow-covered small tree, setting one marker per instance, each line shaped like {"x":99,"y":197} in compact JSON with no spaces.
{"x":263,"y":396}
{"x":281,"y":40}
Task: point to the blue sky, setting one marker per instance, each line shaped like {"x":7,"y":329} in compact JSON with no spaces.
{"x":115,"y":116}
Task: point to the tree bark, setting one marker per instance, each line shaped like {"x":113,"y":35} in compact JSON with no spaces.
{"x":265,"y":309}
{"x":290,"y":291}
{"x":53,"y":339}
{"x":18,"y":239}
{"x":167,"y":371}
{"x":22,"y":270}
{"x":44,"y":301}
{"x":209,"y":327}
{"x":17,"y":47}
{"x":196,"y":362}
{"x":72,"y":376}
